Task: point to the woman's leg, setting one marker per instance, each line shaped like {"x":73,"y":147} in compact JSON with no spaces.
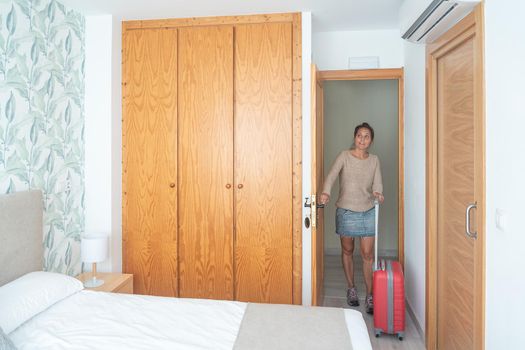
{"x":347,"y":245}
{"x":367,"y":253}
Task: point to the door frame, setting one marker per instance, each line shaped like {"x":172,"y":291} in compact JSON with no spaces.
{"x":317,"y":241}
{"x":472,"y":25}
{"x":384,"y":74}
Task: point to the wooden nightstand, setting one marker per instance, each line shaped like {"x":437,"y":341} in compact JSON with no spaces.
{"x":113,"y":282}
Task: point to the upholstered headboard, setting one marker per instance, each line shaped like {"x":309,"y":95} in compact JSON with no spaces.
{"x":21,"y":234}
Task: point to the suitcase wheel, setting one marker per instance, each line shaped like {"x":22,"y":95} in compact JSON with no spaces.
{"x":400,"y":336}
{"x":378,"y":333}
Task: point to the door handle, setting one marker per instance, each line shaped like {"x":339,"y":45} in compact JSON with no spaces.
{"x":309,"y":205}
{"x":467,"y":221}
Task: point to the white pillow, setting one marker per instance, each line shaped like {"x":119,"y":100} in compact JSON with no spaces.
{"x":31,"y":294}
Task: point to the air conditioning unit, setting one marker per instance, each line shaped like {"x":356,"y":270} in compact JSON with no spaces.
{"x":439,"y":16}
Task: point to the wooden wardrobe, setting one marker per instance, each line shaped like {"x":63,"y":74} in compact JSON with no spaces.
{"x":212,"y":157}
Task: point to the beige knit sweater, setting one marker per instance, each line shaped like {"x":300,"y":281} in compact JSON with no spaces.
{"x":358,"y":179}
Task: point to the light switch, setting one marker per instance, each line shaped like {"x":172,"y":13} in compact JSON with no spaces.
{"x":501,"y":219}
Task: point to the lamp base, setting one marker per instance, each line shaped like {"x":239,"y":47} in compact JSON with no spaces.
{"x":93,"y":282}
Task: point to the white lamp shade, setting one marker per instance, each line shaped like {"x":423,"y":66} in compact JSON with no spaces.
{"x":94,"y":249}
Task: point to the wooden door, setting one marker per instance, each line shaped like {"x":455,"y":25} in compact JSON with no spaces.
{"x":263,"y":162}
{"x":206,"y":162}
{"x":456,"y":136}
{"x":149,"y":148}
{"x":317,"y":185}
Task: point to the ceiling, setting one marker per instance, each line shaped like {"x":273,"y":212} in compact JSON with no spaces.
{"x":327,"y":15}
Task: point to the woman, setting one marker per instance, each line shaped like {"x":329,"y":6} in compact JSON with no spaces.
{"x":360,"y":183}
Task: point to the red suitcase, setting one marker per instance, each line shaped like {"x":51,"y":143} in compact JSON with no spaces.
{"x":389,"y":295}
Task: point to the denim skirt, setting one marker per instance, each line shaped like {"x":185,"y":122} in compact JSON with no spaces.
{"x":350,"y":223}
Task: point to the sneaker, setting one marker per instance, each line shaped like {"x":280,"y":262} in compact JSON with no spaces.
{"x":369,"y":304}
{"x":351,"y":297}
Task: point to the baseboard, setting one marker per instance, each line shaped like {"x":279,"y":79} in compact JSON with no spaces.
{"x":382,"y":252}
{"x":414,"y":319}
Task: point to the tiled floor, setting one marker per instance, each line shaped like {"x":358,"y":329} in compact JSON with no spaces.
{"x":335,"y":295}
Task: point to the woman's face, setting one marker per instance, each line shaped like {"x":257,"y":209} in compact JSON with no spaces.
{"x":363,"y":139}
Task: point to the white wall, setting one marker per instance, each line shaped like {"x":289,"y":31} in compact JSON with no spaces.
{"x":306,"y":151}
{"x":415,"y":179}
{"x":505,"y":169}
{"x":116,"y":144}
{"x":415,"y":258}
{"x":103,"y":134}
{"x":505,"y":166}
{"x":98,"y":129}
{"x":331,"y":50}
{"x":505,"y":118}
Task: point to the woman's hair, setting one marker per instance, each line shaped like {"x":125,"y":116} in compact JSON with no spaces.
{"x":364,"y":125}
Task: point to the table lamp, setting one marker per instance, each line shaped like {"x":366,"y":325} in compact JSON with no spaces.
{"x":94,"y":249}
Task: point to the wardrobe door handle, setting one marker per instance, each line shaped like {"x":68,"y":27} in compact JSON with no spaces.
{"x":228,"y":186}
{"x":239,"y":186}
{"x":172,"y":185}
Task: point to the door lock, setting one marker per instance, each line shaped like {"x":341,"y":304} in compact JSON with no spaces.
{"x":307,"y":203}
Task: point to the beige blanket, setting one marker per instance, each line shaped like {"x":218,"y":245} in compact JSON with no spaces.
{"x":290,"y":327}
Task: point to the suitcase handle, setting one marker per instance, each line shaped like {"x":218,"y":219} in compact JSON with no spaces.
{"x":376,"y":204}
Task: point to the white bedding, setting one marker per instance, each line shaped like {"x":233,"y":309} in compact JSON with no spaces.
{"x":97,"y":320}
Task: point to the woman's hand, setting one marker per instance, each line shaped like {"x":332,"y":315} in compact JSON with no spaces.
{"x":380,"y":198}
{"x":324,"y":198}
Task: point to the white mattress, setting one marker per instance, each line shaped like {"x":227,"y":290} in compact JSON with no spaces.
{"x":96,"y":320}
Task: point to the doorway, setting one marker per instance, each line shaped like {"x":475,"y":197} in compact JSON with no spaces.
{"x":342,"y":100}
{"x":348,"y":103}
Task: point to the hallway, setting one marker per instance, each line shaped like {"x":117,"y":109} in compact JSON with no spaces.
{"x":335,"y":296}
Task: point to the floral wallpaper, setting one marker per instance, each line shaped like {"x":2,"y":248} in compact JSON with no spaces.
{"x":42,"y":118}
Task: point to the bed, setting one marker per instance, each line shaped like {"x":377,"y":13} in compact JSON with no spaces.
{"x":43,"y":310}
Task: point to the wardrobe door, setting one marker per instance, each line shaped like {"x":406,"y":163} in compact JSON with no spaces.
{"x":206,"y":162}
{"x":263,"y":162}
{"x":149,"y":149}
